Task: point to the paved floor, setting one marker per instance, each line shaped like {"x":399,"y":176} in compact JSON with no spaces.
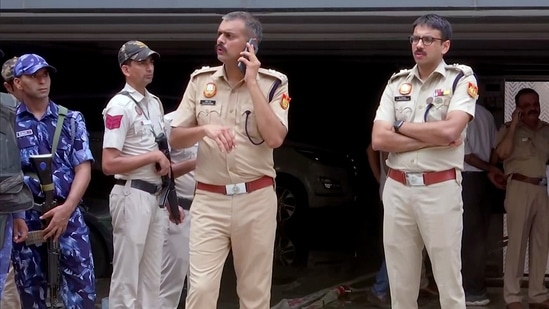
{"x":291,"y":285}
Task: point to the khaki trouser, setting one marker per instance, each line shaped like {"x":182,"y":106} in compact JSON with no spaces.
{"x":138,"y":234}
{"x":245,"y":223}
{"x":10,"y":296}
{"x":175,"y":261}
{"x":418,"y":216}
{"x":527,"y":208}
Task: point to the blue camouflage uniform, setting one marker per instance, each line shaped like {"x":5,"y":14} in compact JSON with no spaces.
{"x":5,"y":251}
{"x":76,"y":263}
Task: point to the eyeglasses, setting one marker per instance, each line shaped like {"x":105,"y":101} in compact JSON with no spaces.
{"x":427,"y":40}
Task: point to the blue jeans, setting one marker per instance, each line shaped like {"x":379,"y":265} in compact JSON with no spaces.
{"x":381,"y":287}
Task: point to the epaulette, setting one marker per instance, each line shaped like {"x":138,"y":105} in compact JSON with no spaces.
{"x":282,"y":77}
{"x":400,"y":74}
{"x":204,"y":69}
{"x":467,"y":71}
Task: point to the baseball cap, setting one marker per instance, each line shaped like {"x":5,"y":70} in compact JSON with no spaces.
{"x":136,"y":51}
{"x":28,"y":64}
{"x":7,"y":69}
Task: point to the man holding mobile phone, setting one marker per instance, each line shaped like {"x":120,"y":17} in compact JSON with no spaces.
{"x":237,"y":117}
{"x":523,"y":146}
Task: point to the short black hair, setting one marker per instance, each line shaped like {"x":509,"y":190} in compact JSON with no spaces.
{"x":253,"y":25}
{"x":437,"y":22}
{"x":524,"y":91}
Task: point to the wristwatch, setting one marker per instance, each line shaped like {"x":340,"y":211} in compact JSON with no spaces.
{"x":397,"y":125}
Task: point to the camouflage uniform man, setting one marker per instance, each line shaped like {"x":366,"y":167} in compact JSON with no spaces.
{"x":36,"y":119}
{"x":10,"y":297}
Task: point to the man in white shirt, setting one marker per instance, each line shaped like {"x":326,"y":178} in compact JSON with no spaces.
{"x":175,"y":253}
{"x":480,"y":138}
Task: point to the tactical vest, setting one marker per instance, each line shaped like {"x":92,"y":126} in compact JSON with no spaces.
{"x":15,"y":196}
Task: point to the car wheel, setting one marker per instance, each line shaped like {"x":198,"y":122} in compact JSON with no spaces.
{"x":291,"y":241}
{"x":100,"y":255}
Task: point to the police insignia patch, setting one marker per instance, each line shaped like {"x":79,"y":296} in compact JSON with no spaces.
{"x":210,"y":90}
{"x":285,"y":102}
{"x":405,"y":89}
{"x":472,"y":90}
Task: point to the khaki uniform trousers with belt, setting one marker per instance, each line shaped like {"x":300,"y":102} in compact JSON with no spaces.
{"x":245,"y":223}
{"x":527,"y":207}
{"x":138,"y":235}
{"x":418,"y":216}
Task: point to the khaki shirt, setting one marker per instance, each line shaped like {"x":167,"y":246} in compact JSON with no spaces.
{"x":209,"y":99}
{"x":530,"y":150}
{"x":407,"y":97}
{"x":132,"y":129}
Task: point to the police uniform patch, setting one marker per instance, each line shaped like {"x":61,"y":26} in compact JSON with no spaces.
{"x":113,"y":121}
{"x":285,"y":102}
{"x":210,"y":90}
{"x":405,"y":89}
{"x":472,"y":90}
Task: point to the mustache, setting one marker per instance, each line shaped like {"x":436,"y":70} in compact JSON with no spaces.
{"x":533,"y":112}
{"x":419,"y":51}
{"x":220,"y":46}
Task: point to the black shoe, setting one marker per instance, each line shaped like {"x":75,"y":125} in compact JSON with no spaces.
{"x":379,"y":301}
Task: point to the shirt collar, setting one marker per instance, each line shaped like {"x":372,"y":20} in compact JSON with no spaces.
{"x":135,"y":94}
{"x":51,"y":111}
{"x":440,"y":69}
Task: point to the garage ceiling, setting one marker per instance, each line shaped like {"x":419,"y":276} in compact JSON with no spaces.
{"x":493,"y":33}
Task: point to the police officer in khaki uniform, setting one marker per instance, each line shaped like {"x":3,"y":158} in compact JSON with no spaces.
{"x":421,"y":122}
{"x":238,"y":117}
{"x":133,"y":118}
{"x":523,"y":145}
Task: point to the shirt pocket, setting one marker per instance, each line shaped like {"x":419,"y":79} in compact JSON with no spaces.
{"x":248,"y":122}
{"x":209,"y":114}
{"x":143,"y":129}
{"x":438,"y":110}
{"x":404,"y":110}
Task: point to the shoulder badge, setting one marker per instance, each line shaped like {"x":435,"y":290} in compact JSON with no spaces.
{"x":467,"y":70}
{"x":282,"y":77}
{"x":204,"y":69}
{"x":472,"y":90}
{"x":400,"y":74}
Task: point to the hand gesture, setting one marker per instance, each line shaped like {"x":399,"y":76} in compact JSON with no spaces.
{"x":497,"y":177}
{"x":162,"y":164}
{"x":223,"y":136}
{"x":456,"y":143}
{"x":20,"y":230}
{"x":180,"y":217}
{"x":249,"y":58}
{"x":515,"y":117}
{"x":58,"y":219}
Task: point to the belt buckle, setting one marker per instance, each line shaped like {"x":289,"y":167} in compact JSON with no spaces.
{"x":414,"y":179}
{"x":236,"y":188}
{"x":542,"y":181}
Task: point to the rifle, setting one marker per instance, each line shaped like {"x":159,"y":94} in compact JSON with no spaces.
{"x":42,"y":164}
{"x":168,"y":194}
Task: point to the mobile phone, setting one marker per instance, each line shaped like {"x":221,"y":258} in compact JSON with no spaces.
{"x":241,"y":65}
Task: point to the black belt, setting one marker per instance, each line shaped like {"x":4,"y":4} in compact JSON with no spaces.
{"x":140,"y":185}
{"x":185,"y":203}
